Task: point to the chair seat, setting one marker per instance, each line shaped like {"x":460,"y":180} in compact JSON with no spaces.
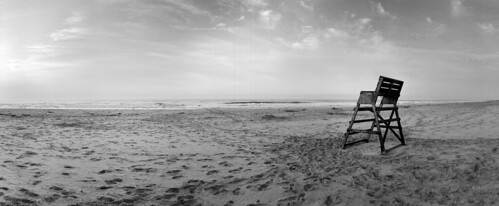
{"x":372,"y":120}
{"x":366,"y":108}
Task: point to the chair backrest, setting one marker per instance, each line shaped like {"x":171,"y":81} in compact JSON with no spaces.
{"x":389,"y":89}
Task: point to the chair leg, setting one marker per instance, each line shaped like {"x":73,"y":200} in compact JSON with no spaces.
{"x":376,"y":121}
{"x":372,"y":127}
{"x":350,"y":126}
{"x":345,"y":137}
{"x":402,"y":140}
{"x":388,"y":125}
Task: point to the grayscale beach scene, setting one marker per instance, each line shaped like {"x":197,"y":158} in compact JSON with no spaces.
{"x":249,"y":102}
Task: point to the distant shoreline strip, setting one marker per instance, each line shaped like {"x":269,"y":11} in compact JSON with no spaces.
{"x":266,"y":102}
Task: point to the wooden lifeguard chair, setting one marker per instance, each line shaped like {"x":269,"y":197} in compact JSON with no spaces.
{"x":389,"y":91}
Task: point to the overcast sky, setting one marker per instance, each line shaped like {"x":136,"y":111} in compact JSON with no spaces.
{"x":191,"y":49}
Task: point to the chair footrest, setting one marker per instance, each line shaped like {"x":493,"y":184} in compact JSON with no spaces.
{"x":362,"y":120}
{"x":393,"y":127}
{"x":390,"y":120}
{"x":372,"y":120}
{"x":368,"y":131}
{"x":355,"y":142}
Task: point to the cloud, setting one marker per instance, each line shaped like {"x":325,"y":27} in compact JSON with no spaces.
{"x":362,"y":24}
{"x":358,"y":38}
{"x":381,"y":11}
{"x":457,"y":8}
{"x":269,"y":19}
{"x":435,"y":28}
{"x":306,"y":6}
{"x":187,"y":7}
{"x":440,"y":30}
{"x":364,"y":21}
{"x":310,"y":42}
{"x":41,"y":48}
{"x":75,"y":18}
{"x":67,"y":34}
{"x":256,"y":3}
{"x":377,"y":43}
{"x":218,"y":27}
{"x":336,"y":33}
{"x":488,"y":28}
{"x":35,"y":59}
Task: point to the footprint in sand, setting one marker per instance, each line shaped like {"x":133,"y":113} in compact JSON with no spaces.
{"x":216,"y":189}
{"x":332,"y":201}
{"x":105,"y":199}
{"x":55,"y":188}
{"x":105,"y":187}
{"x":104,"y":171}
{"x":174,"y":190}
{"x":229,"y":203}
{"x":88,"y":180}
{"x":212,"y":172}
{"x":52,"y":198}
{"x":26,"y":154}
{"x":173,"y":171}
{"x":113,"y":181}
{"x":28,"y":193}
{"x":95,"y":159}
{"x":236,"y":170}
{"x":293,"y":200}
{"x":225,"y":164}
{"x":236,"y":191}
{"x":34,"y":164}
{"x":18,"y":201}
{"x":38,"y":174}
{"x":165,"y":196}
{"x":185,"y":200}
{"x":22,"y":166}
{"x":309,"y":187}
{"x":147,"y":170}
{"x":62,"y":190}
{"x":229,"y":157}
{"x":264,"y":186}
{"x":236,"y":180}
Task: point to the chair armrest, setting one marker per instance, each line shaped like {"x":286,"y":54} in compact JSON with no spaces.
{"x":367,"y":97}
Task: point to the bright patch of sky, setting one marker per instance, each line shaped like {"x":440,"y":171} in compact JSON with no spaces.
{"x":297,"y":49}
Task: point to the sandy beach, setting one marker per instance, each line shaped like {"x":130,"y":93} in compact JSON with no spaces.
{"x":246,"y":156}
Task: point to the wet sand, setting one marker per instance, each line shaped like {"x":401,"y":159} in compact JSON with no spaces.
{"x":274,"y":156}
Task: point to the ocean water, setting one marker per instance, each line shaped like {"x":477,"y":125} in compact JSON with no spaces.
{"x":194,"y":104}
